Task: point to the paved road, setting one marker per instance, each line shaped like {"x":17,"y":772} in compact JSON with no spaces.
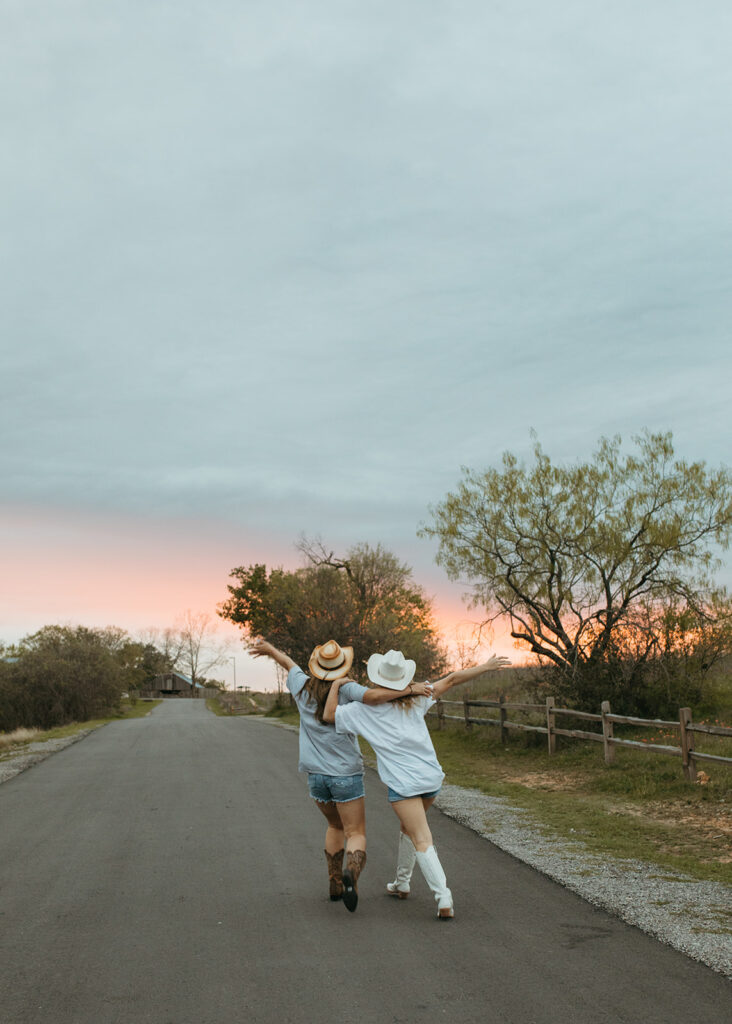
{"x":169,"y":870}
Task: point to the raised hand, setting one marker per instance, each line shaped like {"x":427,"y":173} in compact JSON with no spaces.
{"x":261,"y":649}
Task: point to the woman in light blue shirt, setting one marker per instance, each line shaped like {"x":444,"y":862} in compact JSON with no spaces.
{"x":332,"y":760}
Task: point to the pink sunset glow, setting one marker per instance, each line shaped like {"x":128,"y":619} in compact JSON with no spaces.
{"x":70,"y":567}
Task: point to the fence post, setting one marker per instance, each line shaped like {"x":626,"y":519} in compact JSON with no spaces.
{"x":502,"y":713}
{"x":466,"y":714}
{"x":550,"y":720}
{"x":440,"y":715}
{"x":607,"y":733}
{"x":687,"y":744}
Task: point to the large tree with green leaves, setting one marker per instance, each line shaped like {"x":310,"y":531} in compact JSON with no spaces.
{"x":63,"y":674}
{"x":367,"y":599}
{"x":589,"y":562}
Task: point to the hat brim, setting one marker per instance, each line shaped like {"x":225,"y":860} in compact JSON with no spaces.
{"x":372,"y":670}
{"x":328,"y":675}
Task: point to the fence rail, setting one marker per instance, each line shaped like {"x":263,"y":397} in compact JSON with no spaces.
{"x":686,"y":726}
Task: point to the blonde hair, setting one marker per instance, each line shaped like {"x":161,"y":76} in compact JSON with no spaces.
{"x":406,"y":702}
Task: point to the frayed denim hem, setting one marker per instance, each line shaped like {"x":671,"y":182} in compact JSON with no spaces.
{"x":332,"y":801}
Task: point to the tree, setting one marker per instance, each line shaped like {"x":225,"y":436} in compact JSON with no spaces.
{"x":168,"y":642}
{"x":142,"y":662}
{"x":366,"y":599}
{"x":197,"y":649}
{"x":579,"y":557}
{"x":62,"y":674}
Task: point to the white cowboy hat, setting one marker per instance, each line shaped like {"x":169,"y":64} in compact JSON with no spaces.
{"x":391,"y":669}
{"x":330,"y":661}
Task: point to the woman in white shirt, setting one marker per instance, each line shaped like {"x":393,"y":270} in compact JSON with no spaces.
{"x":406,"y":760}
{"x":331,"y":760}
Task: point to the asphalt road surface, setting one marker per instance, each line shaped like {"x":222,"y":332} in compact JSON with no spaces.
{"x":169,"y":870}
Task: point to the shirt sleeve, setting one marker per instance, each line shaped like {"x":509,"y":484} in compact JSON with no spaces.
{"x":345,"y":717}
{"x":352,"y":691}
{"x":296,"y":679}
{"x":424,"y":704}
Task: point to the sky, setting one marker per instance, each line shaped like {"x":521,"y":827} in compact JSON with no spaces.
{"x":280,"y":268}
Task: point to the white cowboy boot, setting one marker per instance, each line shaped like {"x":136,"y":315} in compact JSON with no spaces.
{"x":434,"y":876}
{"x":405,"y":866}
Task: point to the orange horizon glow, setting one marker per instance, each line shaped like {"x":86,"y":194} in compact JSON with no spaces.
{"x":66,"y":568}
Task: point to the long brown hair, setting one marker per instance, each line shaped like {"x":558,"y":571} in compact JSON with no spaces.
{"x":319,"y":690}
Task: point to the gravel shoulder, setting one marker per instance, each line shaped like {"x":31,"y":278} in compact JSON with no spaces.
{"x":693,"y":916}
{"x":13,"y":764}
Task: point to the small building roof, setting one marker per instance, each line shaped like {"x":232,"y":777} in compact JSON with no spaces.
{"x":179,"y":675}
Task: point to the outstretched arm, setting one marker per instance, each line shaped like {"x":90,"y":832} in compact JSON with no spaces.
{"x":465,"y":674}
{"x":263,"y":649}
{"x":382,"y":695}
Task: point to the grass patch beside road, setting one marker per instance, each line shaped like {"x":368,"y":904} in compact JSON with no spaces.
{"x":248,"y":702}
{"x":288,"y":715}
{"x":14,"y":743}
{"x":215,"y":706}
{"x":640,"y":807}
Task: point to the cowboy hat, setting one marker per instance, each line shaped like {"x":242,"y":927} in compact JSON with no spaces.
{"x":391,"y":669}
{"x":330,"y":661}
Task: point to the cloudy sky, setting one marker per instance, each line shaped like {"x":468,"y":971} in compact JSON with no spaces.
{"x":282,"y":267}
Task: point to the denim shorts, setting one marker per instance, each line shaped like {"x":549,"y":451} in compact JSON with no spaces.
{"x":338,"y":789}
{"x":395,"y":797}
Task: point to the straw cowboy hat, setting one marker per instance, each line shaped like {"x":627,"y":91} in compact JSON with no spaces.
{"x":330,"y":661}
{"x":391,"y":669}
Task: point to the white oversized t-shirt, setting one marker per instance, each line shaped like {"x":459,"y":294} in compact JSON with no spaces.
{"x":405,"y":757}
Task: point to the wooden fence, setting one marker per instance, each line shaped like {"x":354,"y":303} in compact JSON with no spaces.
{"x":686,"y":726}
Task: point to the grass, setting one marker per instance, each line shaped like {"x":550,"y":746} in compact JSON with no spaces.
{"x":12,"y":743}
{"x":215,"y":706}
{"x":289,"y":715}
{"x":640,"y":807}
{"x":251,"y":702}
{"x":17,"y":736}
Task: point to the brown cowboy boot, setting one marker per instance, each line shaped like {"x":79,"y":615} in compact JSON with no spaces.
{"x":354,"y":866}
{"x":335,"y":874}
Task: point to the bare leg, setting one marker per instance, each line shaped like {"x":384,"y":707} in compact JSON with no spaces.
{"x":412,"y":814}
{"x":353,"y":816}
{"x":334,"y":836}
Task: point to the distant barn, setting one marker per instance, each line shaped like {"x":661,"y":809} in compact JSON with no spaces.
{"x":174,"y":684}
